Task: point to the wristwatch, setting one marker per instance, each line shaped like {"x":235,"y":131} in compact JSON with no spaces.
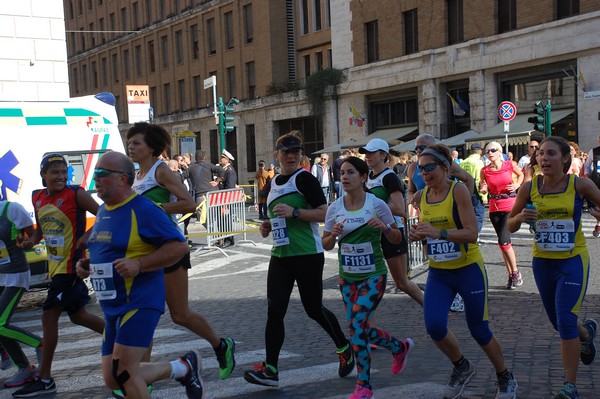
{"x":443,"y":234}
{"x":296,"y":213}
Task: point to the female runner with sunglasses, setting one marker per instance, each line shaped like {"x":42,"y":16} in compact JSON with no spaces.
{"x":561,"y":262}
{"x":497,"y":181}
{"x":447,"y":221}
{"x":154,"y":180}
{"x":356,"y":222}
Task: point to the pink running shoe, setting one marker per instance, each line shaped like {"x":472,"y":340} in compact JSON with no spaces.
{"x":362,"y":392}
{"x":401,"y":358}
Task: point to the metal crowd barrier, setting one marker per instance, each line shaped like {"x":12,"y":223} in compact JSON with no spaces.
{"x":416,"y":258}
{"x":225,"y":217}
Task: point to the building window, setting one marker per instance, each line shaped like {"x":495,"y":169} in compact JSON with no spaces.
{"x":306,"y":59}
{"x":250,"y":148}
{"x":198,"y":87}
{"x":154,"y":98}
{"x":164,"y":51}
{"x":115,"y":67}
{"x":566,"y":8}
{"x":195,"y":43}
{"x":210,"y":31}
{"x":455,"y":21}
{"x":507,"y":15}
{"x":92,"y":36}
{"x":317,"y":23}
{"x":179,"y":47}
{"x":138,"y":60}
{"x":248,"y":24}
{"x":394,"y":113}
{"x":84,"y":78}
{"x":124,"y":26}
{"x":111,"y":23}
{"x":328,"y":13}
{"x":162,"y":9}
{"x":79,"y":8}
{"x":251,"y":77}
{"x":372,"y":31}
{"x":229,"y":30}
{"x":136,"y":15}
{"x":82,"y":36}
{"x":90,"y":5}
{"x":181,"y":94}
{"x":100,"y":3}
{"x":319,"y":61}
{"x":94,"y":75}
{"x":126,"y":64}
{"x":231,"y":81}
{"x":70,"y":11}
{"x":411,"y":32}
{"x":330,"y":58}
{"x":104,"y":71}
{"x":151,"y":57}
{"x":75,"y":79}
{"x":214,"y":145}
{"x":167,"y":98}
{"x":101,"y":29}
{"x":304,"y":16}
{"x":149,"y":19}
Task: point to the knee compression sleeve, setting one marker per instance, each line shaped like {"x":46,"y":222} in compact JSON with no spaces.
{"x":122,"y":378}
{"x":505,"y":247}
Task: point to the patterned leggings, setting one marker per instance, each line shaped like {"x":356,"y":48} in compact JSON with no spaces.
{"x":361,"y":299}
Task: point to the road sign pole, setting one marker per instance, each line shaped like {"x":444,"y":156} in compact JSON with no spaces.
{"x":506,"y":131}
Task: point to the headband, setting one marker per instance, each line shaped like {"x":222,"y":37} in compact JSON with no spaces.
{"x":435,"y":154}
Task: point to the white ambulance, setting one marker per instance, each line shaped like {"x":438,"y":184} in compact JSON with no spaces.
{"x":81,"y":129}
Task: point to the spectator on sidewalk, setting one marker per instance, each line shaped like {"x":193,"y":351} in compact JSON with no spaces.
{"x":337,"y":164}
{"x":131,"y":242}
{"x":591,"y":170}
{"x":447,"y":221}
{"x":473,"y":165}
{"x":525,"y":159}
{"x":296,"y":207}
{"x":60,"y":214}
{"x":263,"y":186}
{"x":561,"y":268}
{"x":323,"y":173}
{"x":360,"y":220}
{"x":202,"y":175}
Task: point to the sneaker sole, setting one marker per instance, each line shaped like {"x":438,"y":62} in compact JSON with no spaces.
{"x":250,"y":378}
{"x":38,"y":393}
{"x":226,"y":375}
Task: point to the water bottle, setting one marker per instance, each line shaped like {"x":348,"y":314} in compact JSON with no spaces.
{"x":529,"y":205}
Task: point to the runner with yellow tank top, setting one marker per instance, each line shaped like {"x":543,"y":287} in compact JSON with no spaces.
{"x":553,"y":203}
{"x":447,"y":221}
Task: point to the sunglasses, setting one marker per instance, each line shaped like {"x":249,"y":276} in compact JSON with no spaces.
{"x":420,"y":147}
{"x":492,"y":150}
{"x":101,"y":173}
{"x":430,"y":167}
{"x":534,"y":146}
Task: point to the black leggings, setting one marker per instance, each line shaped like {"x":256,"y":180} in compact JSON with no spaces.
{"x":307,"y":271}
{"x":11,"y":336}
{"x":500,"y":222}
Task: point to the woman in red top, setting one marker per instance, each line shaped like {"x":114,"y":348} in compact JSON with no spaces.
{"x":497,"y":181}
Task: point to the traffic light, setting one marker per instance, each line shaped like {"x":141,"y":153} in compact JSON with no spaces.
{"x":225,"y":118}
{"x":539,"y":120}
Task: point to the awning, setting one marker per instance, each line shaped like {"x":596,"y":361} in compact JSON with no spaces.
{"x":520,"y":129}
{"x":459,"y":139}
{"x":406,"y":146}
{"x":391,"y":136}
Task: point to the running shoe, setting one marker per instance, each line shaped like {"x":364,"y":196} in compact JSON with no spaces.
{"x":6,"y":360}
{"x":192,"y":382}
{"x":262,"y":374}
{"x":596,"y":232}
{"x":509,"y":284}
{"x":118,"y":394}
{"x":568,"y":391}
{"x":362,"y":392}
{"x":458,"y":305}
{"x":36,"y":388}
{"x":400,"y":359}
{"x":226,"y":357}
{"x":587,"y":350}
{"x":458,"y":380}
{"x":517,"y":279}
{"x":346,"y":358}
{"x":507,"y":386}
{"x":21,"y":377}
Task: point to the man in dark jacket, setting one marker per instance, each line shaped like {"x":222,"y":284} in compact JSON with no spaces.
{"x":202,"y":176}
